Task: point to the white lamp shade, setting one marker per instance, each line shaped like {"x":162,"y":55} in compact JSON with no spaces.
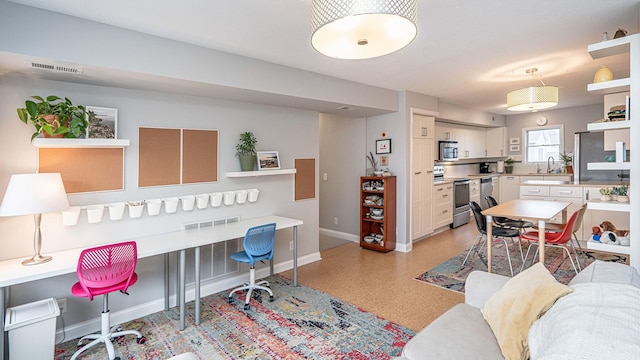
{"x":361,"y":29}
{"x":34,"y":194}
{"x":532,"y":98}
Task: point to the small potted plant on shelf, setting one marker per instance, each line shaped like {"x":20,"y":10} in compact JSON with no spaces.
{"x":54,"y":117}
{"x":623,"y":193}
{"x":567,"y":160}
{"x":246,"y":151}
{"x":605,"y":194}
{"x":508,"y":165}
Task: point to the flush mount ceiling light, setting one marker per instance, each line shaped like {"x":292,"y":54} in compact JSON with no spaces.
{"x":533,"y":98}
{"x":362,"y":29}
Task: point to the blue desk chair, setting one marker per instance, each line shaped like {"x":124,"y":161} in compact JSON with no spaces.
{"x":258,"y":245}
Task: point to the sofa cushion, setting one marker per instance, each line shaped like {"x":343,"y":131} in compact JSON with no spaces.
{"x":596,"y":321}
{"x":609,"y":272}
{"x":521,"y":301}
{"x":460,"y":333}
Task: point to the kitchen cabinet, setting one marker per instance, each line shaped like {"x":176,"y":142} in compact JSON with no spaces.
{"x":509,"y":187}
{"x":495,"y":183}
{"x":423,"y":127}
{"x":570,"y":194}
{"x":496,"y":142}
{"x":378,"y":213}
{"x":474,"y":191}
{"x":625,"y":45}
{"x":443,"y":205}
{"x":421,"y":190}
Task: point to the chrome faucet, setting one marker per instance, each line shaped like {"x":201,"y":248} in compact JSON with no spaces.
{"x":553,"y":161}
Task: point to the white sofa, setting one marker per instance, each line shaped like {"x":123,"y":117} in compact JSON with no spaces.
{"x":571,"y":328}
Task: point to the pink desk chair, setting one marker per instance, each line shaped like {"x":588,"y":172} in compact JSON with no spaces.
{"x":102,"y":270}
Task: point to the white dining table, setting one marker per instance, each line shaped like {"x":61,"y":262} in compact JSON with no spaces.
{"x":540,"y":210}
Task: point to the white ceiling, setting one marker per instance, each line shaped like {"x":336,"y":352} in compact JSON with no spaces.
{"x":467,"y":52}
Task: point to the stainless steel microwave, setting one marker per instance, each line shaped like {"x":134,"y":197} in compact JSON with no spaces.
{"x":448,"y":150}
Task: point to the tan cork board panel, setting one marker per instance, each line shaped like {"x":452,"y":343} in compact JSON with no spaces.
{"x":85,"y":169}
{"x":199,"y":156}
{"x":158,"y":157}
{"x":305,"y":179}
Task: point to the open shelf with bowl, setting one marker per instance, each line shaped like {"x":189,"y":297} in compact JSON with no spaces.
{"x":378,"y":213}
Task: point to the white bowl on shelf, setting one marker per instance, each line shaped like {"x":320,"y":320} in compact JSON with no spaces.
{"x":368,"y":239}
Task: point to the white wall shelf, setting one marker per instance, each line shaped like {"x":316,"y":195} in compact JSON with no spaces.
{"x":618,"y":249}
{"x":610,"y":47}
{"x":80,"y":143}
{"x":608,"y":206}
{"x":609,"y":166}
{"x":237,"y":174}
{"x":609,"y":125}
{"x":610,"y":87}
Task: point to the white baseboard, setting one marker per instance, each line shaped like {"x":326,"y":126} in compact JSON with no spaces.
{"x":207,"y":287}
{"x":340,"y":235}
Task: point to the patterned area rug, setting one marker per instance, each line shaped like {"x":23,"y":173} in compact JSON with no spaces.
{"x":302,"y":323}
{"x":452,"y":275}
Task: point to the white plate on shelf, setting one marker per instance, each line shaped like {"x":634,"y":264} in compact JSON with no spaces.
{"x":377,"y":217}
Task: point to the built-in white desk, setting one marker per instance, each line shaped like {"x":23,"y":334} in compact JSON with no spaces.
{"x":12,"y":272}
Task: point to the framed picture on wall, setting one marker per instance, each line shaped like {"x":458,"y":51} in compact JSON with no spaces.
{"x":268,"y":160}
{"x":514,"y":141}
{"x":103,"y":123}
{"x":514,"y":148}
{"x":383,"y":146}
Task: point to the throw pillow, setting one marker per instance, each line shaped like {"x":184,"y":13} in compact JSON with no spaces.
{"x":521,"y":301}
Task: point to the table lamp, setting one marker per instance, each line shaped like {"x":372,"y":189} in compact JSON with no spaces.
{"x":34,"y":194}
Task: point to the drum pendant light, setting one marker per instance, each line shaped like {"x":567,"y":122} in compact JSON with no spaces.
{"x":362,"y":29}
{"x":533,"y":98}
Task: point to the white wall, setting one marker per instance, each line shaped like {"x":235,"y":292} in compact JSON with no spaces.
{"x":292,"y":132}
{"x":342,"y":158}
{"x":574,"y":120}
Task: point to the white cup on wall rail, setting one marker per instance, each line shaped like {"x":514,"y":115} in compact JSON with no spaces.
{"x":70,"y":216}
{"x":216,"y":199}
{"x":116,"y":211}
{"x":135,"y":208}
{"x":202,"y":201}
{"x":253,"y":195}
{"x":229,"y":197}
{"x":170,"y":204}
{"x":154,"y":206}
{"x":94,"y":213}
{"x":187,"y":202}
{"x":241,"y":196}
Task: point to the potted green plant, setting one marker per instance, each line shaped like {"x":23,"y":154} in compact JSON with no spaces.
{"x":508,"y":165}
{"x":605,"y":194}
{"x":54,"y":117}
{"x":246,"y":151}
{"x":623,"y":193}
{"x":567,"y":160}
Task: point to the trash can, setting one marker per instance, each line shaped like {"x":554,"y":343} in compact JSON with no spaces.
{"x":32,"y":329}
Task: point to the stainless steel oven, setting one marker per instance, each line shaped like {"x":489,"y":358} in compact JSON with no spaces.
{"x":461,"y":208}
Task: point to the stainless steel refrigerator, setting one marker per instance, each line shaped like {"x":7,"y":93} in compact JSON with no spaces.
{"x":589,"y":148}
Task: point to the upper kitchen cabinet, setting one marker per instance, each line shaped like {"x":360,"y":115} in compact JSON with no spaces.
{"x":496,"y":140}
{"x":423,"y":127}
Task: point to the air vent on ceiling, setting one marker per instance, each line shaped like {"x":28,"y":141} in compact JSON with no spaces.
{"x":57,"y":68}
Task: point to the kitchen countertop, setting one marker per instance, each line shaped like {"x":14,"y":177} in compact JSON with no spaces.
{"x":592,"y":183}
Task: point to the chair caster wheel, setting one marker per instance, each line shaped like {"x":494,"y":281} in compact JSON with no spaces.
{"x":79,"y":346}
{"x":141,"y":340}
{"x":247,"y":307}
{"x":271,"y":299}
{"x":229,"y":300}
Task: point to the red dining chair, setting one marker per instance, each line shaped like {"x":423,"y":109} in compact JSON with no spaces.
{"x":102,"y":270}
{"x":553,"y":239}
